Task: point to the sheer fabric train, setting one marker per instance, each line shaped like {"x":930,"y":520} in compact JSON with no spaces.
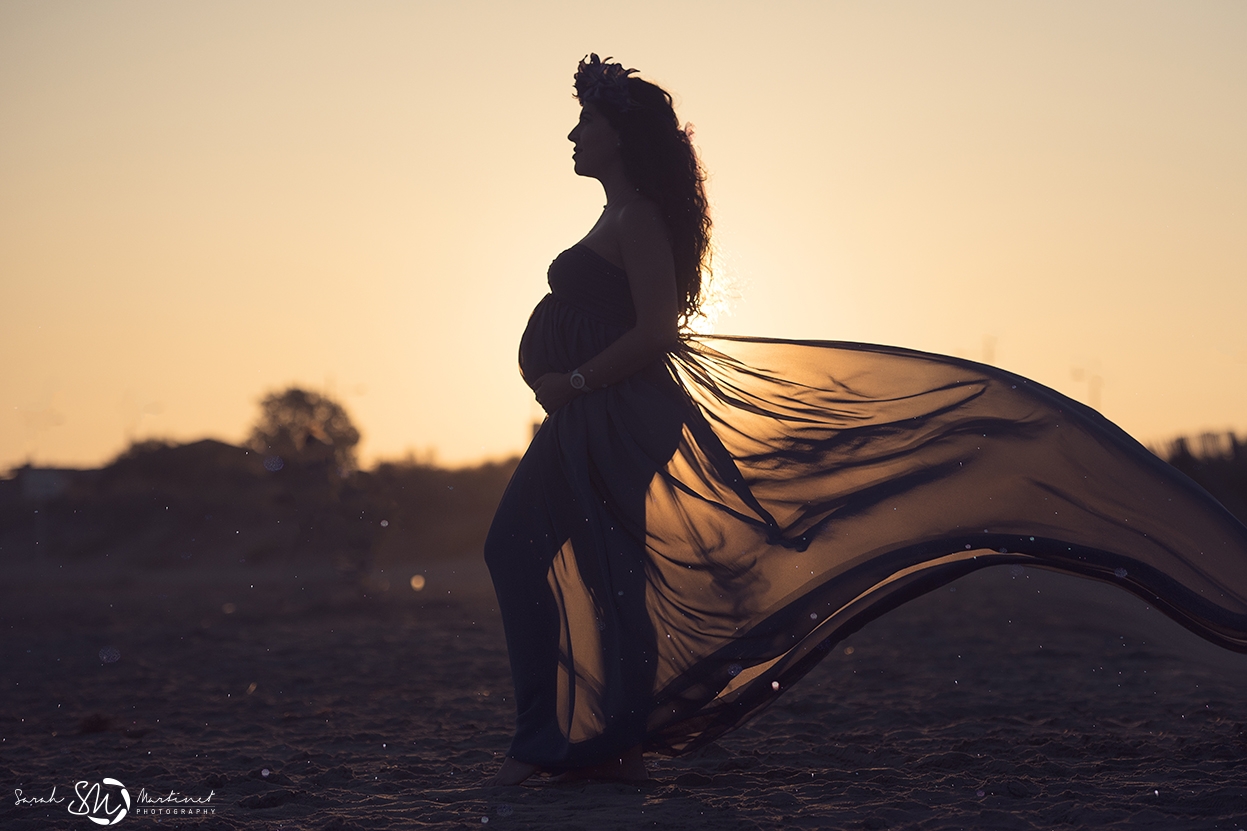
{"x":674,"y":551}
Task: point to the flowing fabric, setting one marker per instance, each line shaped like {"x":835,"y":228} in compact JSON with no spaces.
{"x":675,"y":550}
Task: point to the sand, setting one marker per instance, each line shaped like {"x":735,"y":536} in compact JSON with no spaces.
{"x":1014,"y":698}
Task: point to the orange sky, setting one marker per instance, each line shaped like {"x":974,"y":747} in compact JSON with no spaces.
{"x":203,"y":202}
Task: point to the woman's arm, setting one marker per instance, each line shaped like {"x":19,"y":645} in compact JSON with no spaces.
{"x":650,"y":266}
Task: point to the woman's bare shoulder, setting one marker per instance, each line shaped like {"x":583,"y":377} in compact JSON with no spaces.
{"x":641,"y":220}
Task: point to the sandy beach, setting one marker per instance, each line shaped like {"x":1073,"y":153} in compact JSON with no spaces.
{"x":1013,"y":698}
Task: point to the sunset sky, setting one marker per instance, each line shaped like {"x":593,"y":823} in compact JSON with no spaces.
{"x":201,"y":202}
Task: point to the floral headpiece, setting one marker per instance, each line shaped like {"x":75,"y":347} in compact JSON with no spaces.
{"x":600,"y":81}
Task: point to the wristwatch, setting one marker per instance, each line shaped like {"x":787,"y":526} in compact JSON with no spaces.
{"x":578,"y":381}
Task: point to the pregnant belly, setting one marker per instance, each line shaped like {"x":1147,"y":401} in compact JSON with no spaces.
{"x":559,"y":338}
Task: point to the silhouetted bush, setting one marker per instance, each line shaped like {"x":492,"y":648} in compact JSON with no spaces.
{"x":1218,"y":462}
{"x":167,"y":505}
{"x":293,"y":494}
{"x":432,"y":512}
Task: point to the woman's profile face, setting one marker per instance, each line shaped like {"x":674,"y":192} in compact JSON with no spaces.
{"x":596,"y":144}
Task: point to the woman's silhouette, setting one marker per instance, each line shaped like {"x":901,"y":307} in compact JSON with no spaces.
{"x":701,"y":519}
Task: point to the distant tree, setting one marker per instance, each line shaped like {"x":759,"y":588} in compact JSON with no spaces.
{"x":306,"y":429}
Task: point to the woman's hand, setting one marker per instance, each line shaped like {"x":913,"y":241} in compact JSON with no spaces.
{"x":554,"y":389}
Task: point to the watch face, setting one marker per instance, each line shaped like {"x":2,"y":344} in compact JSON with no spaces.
{"x":578,"y":381}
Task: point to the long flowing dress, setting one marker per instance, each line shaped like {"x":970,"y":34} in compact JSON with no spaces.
{"x":677,"y":549}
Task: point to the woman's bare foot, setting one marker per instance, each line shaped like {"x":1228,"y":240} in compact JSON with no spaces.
{"x":629,"y":767}
{"x":511,"y":773}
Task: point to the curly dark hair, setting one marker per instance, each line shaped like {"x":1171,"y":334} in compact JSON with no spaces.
{"x":661,"y":163}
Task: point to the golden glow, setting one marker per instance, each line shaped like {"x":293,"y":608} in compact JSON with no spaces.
{"x":205,"y":202}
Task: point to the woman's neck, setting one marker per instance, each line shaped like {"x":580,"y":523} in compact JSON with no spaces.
{"x":619,"y":191}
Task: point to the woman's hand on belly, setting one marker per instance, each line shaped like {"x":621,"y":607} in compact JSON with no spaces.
{"x":554,"y":389}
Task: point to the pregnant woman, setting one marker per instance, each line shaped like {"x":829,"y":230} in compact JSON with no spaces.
{"x":700,"y":519}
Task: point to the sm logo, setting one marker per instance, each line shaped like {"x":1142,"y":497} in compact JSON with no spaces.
{"x":105,"y":803}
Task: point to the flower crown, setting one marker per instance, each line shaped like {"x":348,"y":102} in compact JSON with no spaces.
{"x":599,"y":81}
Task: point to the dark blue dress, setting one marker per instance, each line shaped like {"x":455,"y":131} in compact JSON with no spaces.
{"x":677,"y":549}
